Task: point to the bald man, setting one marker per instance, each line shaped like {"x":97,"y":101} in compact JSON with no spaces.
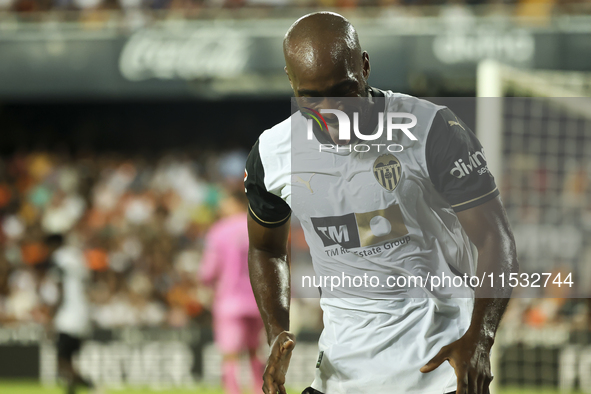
{"x":395,"y":213}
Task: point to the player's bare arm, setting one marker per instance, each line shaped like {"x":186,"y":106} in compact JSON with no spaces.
{"x":487,"y":227}
{"x":270,"y":278}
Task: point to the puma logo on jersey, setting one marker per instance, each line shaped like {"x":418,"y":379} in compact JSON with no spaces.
{"x":475,"y":160}
{"x":299,"y":179}
{"x":454,"y":123}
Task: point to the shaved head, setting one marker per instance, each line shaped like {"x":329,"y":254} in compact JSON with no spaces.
{"x":321,"y":33}
{"x":322,"y":51}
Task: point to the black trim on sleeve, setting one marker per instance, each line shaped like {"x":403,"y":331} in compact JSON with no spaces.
{"x":476,"y":201}
{"x":265,"y":208}
{"x":375,"y":92}
{"x":456,"y":163}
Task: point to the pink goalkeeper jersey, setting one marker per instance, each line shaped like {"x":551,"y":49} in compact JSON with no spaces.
{"x":225,"y":266}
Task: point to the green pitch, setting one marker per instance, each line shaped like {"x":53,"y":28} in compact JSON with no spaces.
{"x":20,"y":387}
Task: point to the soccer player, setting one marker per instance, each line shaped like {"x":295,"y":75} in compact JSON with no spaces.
{"x":72,"y":311}
{"x":236,"y":321}
{"x":411,"y":212}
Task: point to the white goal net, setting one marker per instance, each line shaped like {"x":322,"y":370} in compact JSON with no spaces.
{"x":536,"y":129}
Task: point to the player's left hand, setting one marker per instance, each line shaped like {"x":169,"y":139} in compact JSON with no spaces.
{"x":470,"y":358}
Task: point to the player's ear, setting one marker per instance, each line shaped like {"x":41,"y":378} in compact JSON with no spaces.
{"x":288,"y":77}
{"x":365,"y":64}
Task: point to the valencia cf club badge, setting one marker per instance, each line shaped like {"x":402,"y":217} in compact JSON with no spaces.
{"x":387,"y":170}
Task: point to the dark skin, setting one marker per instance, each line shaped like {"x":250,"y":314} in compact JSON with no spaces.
{"x":321,"y":71}
{"x":316,"y":71}
{"x":270,"y":278}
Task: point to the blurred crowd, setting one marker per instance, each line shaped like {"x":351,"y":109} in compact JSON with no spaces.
{"x":140,"y":224}
{"x":31,"y":6}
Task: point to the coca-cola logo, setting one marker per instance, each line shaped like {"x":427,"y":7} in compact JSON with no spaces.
{"x":187,"y":55}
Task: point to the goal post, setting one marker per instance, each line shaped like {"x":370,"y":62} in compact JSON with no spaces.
{"x":489,"y":113}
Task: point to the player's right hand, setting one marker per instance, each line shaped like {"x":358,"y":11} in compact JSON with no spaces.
{"x":277,"y":364}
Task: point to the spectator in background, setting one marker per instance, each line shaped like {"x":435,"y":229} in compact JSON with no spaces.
{"x":236,"y":321}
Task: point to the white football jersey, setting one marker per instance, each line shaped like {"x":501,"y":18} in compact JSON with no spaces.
{"x":385,"y":212}
{"x":73,"y":315}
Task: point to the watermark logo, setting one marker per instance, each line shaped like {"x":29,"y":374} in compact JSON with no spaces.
{"x":344,"y":124}
{"x":317,"y":117}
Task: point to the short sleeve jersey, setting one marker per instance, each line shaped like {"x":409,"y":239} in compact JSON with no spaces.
{"x":399,"y":205}
{"x":385,"y":212}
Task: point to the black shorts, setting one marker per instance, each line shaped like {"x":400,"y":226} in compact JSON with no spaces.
{"x":67,"y":345}
{"x":310,"y":390}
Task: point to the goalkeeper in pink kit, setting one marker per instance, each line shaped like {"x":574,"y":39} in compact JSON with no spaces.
{"x":237,"y":322}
